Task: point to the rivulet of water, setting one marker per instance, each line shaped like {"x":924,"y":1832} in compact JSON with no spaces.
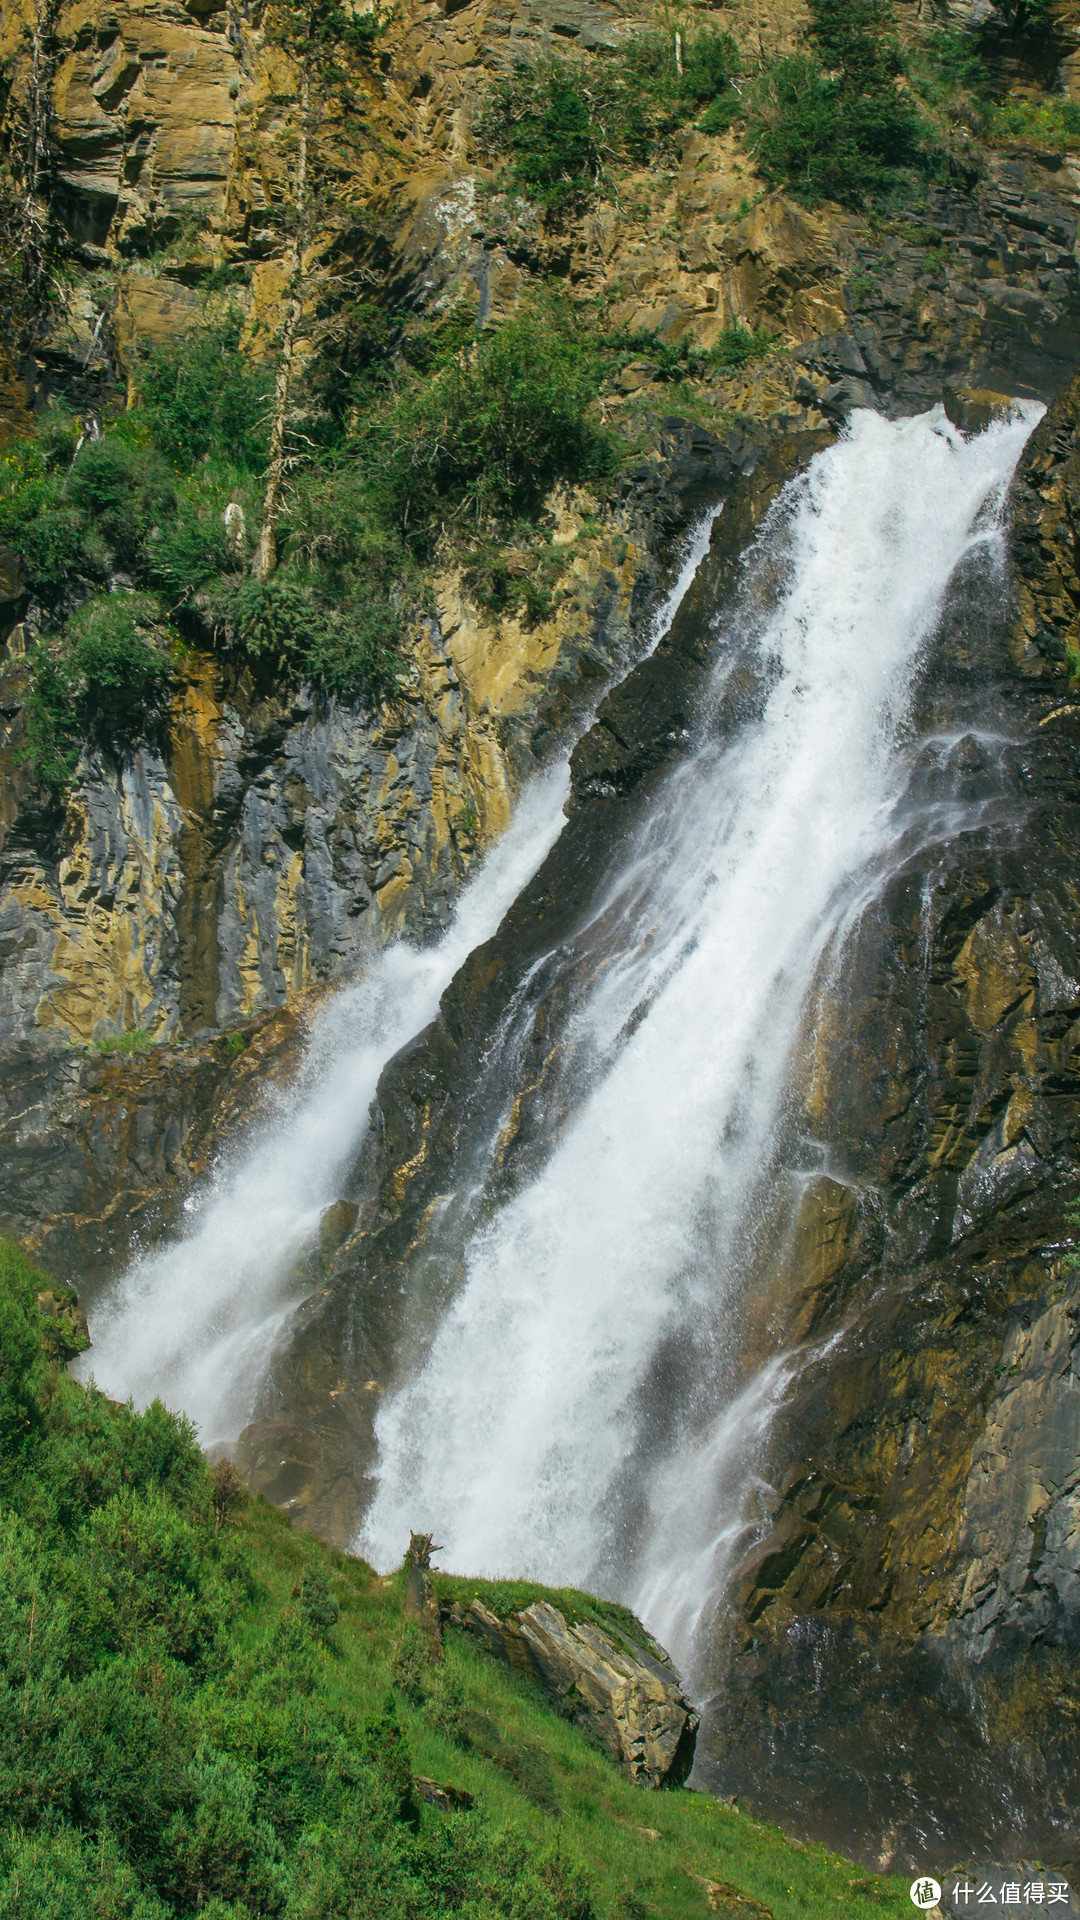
{"x":536,"y":1434}
{"x":196,"y":1322}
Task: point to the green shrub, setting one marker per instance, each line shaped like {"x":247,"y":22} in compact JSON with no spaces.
{"x":812,"y":131}
{"x":64,"y":1875}
{"x":1053,"y":123}
{"x":191,"y":548}
{"x":357,"y":647}
{"x":273,"y":617}
{"x":562,"y":123}
{"x":199,"y":398}
{"x":51,"y":544}
{"x":100,"y":678}
{"x":738,"y":344}
{"x":122,"y":492}
{"x":22,"y":1359}
{"x":346,"y":645}
{"x":135,"y":1041}
{"x":34,"y":517}
{"x":684,"y":359}
{"x":833,"y":123}
{"x":496,"y":428}
{"x":317,"y":1604}
{"x":92,"y":514}
{"x":541,"y":120}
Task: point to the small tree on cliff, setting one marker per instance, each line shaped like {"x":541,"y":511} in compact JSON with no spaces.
{"x":327,"y":46}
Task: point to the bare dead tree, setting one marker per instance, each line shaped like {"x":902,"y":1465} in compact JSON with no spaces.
{"x":325,"y":44}
{"x":29,"y":149}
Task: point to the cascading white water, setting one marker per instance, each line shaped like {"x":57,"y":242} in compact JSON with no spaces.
{"x":514,"y":1438}
{"x":197,"y":1322}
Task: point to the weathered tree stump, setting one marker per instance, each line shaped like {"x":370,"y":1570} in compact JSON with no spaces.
{"x":420,"y":1603}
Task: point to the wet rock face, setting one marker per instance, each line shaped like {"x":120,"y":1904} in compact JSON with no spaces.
{"x":623,"y":1696}
{"x":912,"y":1590}
{"x":975,"y":289}
{"x":100,"y":1149}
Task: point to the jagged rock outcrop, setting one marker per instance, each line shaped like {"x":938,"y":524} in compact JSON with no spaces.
{"x":623,"y":1693}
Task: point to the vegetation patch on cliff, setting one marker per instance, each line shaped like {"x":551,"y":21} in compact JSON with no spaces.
{"x":851,"y":114}
{"x":440,"y":432}
{"x":202,"y":1712}
{"x":563,"y":124}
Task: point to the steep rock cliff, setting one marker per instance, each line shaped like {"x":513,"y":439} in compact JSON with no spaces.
{"x":912,"y":1587}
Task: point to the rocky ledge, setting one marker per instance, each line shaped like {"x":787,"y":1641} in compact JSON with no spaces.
{"x":626,"y":1696}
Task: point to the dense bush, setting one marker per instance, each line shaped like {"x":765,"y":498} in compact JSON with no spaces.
{"x":563,"y":123}
{"x":544,"y":122}
{"x":200,"y":398}
{"x":454,"y":423}
{"x":496,"y":426}
{"x":170,"y":1745}
{"x":102,"y":677}
{"x":684,"y":359}
{"x":832,"y":123}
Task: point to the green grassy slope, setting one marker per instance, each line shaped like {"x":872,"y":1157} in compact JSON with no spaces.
{"x":204,"y":1712}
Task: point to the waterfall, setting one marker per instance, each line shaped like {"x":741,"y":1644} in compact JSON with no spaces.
{"x":197,"y":1322}
{"x":540,"y":1433}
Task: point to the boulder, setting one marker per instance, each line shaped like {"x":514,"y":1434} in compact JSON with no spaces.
{"x":623,"y":1696}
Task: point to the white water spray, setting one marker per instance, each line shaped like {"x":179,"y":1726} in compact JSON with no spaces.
{"x":198,"y":1322}
{"x":535,"y":1409}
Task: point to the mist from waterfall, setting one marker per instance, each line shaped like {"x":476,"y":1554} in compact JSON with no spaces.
{"x":536,"y":1436}
{"x":197,"y":1322}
